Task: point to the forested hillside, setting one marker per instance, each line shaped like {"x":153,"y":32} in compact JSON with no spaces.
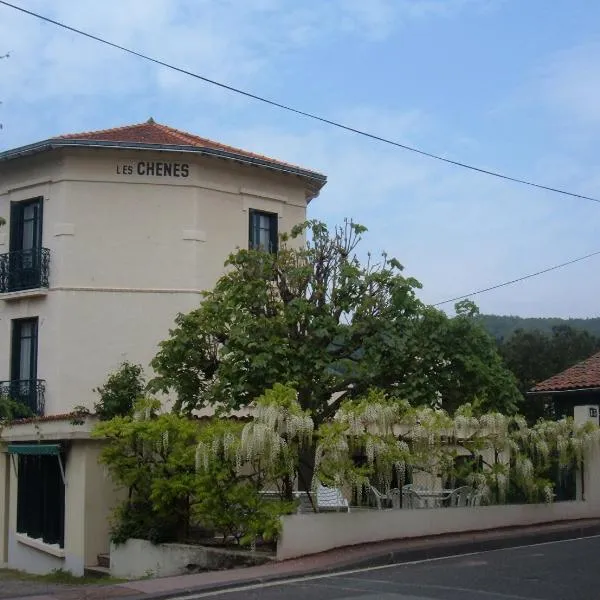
{"x":502,"y":326}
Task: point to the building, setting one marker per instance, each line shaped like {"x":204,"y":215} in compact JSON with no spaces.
{"x":572,"y":389}
{"x":107,"y":236}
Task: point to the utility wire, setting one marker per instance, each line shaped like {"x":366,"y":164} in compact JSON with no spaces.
{"x":512,"y":281}
{"x":297,"y":111}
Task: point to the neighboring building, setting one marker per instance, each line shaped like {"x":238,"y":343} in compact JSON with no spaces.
{"x":108,"y":236}
{"x":577,"y":386}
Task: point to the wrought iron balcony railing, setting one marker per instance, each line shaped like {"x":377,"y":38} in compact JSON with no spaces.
{"x":24,"y":270}
{"x":28,"y":394}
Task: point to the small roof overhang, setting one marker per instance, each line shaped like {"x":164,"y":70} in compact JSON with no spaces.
{"x":34,"y":449}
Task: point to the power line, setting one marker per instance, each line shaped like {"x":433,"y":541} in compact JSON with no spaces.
{"x":297,"y":111}
{"x":512,"y":281}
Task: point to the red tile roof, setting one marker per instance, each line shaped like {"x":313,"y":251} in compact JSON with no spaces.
{"x":36,"y":419}
{"x":152,"y":132}
{"x":154,"y":136}
{"x":583,"y":375}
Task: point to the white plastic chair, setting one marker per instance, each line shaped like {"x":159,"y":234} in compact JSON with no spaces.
{"x":331,"y":498}
{"x":380,"y":499}
{"x":476,"y":498}
{"x":460,"y":496}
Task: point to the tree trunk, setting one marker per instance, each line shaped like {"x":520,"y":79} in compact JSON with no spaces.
{"x":306,"y":467}
{"x":288,"y":488}
{"x":306,"y":470}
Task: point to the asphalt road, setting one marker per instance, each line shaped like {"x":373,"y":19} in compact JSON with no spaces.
{"x":567,"y":570}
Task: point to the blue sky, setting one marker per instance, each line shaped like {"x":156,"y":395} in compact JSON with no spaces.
{"x":508,"y":85}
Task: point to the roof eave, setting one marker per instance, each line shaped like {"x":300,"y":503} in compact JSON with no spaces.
{"x":564,"y":391}
{"x":315,"y":181}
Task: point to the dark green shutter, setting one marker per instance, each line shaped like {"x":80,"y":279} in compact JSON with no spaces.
{"x":273,"y":234}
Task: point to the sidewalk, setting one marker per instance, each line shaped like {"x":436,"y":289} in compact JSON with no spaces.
{"x":335,"y":560}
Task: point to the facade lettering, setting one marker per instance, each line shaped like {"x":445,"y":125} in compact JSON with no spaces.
{"x":149,"y":168}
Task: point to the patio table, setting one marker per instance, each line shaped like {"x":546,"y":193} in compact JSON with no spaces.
{"x":433,"y":498}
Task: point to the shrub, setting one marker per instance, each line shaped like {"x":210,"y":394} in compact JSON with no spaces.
{"x":120,"y":392}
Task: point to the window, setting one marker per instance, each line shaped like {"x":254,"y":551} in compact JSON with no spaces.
{"x":26,"y":224}
{"x":25,"y":258}
{"x":41,"y":499}
{"x":24,"y":349}
{"x":23,"y":368}
{"x":263,"y":231}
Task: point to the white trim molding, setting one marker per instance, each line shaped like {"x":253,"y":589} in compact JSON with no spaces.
{"x":38,"y":544}
{"x":124,"y":290}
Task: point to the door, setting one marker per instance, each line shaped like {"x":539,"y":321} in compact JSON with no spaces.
{"x":24,"y":362}
{"x":25,"y":244}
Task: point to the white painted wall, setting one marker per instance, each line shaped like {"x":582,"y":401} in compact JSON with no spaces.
{"x":127,"y":254}
{"x":312,"y":533}
{"x":139,"y":558}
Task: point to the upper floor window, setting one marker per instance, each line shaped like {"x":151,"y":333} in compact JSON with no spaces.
{"x":26,"y":225}
{"x":25,"y":266}
{"x":263,"y":231}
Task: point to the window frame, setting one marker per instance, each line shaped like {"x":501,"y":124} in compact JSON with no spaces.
{"x":15,"y":351}
{"x":253,"y":229}
{"x":17,"y":223}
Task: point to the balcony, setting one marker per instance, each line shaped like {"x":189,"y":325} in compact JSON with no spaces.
{"x":29,"y":394}
{"x":23,"y":271}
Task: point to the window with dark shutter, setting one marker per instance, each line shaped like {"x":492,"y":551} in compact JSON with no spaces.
{"x":25,"y":242}
{"x":41,"y":499}
{"x":263,"y":233}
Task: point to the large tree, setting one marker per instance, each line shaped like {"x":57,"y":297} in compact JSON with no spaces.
{"x":313,"y":316}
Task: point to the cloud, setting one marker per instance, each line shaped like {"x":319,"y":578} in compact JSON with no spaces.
{"x":571,"y":82}
{"x":563,"y":89}
{"x":377,"y":19}
{"x":242,"y":43}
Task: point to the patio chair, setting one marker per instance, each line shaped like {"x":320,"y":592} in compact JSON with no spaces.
{"x":380,"y":499}
{"x":476,"y":498}
{"x":331,"y":499}
{"x":460,"y":496}
{"x":395,"y":498}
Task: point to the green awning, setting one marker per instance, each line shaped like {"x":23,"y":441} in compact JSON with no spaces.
{"x":34,"y":449}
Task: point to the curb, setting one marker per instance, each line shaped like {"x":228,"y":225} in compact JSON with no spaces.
{"x":432,"y":548}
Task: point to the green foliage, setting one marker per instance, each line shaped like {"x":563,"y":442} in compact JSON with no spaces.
{"x":153,"y":456}
{"x":79,"y":414}
{"x":502,"y":327}
{"x":313,"y":315}
{"x":266,"y":451}
{"x":375,"y":438}
{"x":361,"y":445}
{"x":10,"y":409}
{"x":138,"y":519}
{"x":228,"y":495}
{"x":449,"y":361}
{"x":157,"y":458}
{"x":120,"y":392}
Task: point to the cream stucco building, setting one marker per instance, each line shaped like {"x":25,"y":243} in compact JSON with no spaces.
{"x":107,"y":236}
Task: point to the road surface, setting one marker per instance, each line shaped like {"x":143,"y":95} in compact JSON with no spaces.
{"x":566,"y":570}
